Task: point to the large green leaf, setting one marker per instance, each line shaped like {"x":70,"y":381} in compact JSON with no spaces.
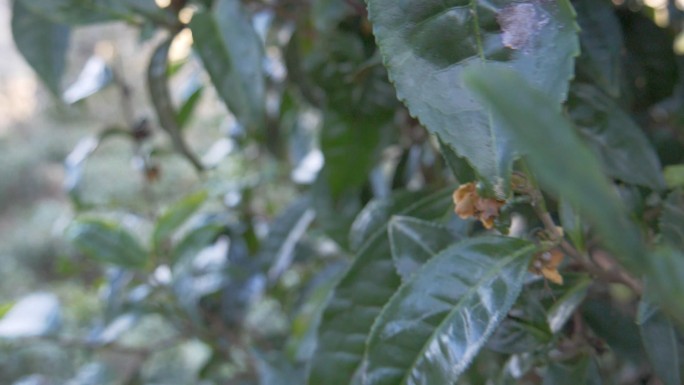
{"x":622,"y":147}
{"x":359,"y":297}
{"x":660,"y":341}
{"x":436,"y":323}
{"x":426,"y":44}
{"x":602,"y":44}
{"x":42,"y":43}
{"x":232,"y":53}
{"x":563,"y":164}
{"x":77,"y":12}
{"x":107,"y":242}
{"x":414,"y":241}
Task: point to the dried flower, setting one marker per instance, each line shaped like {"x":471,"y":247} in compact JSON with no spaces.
{"x":470,"y":204}
{"x":546,"y":264}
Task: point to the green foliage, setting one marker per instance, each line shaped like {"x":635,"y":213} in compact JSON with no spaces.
{"x":328,"y":238}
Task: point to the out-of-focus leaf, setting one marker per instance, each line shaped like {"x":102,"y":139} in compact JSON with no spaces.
{"x":566,"y":305}
{"x":42,"y":43}
{"x":602,"y":44}
{"x":195,"y":240}
{"x":106,"y":242}
{"x":524,"y":329}
{"x":157,"y":83}
{"x":665,"y":275}
{"x":582,"y":370}
{"x":34,"y":315}
{"x":77,"y":12}
{"x":618,"y":330}
{"x":232,"y":53}
{"x":563,"y":164}
{"x":432,"y":328}
{"x":414,"y":241}
{"x":95,"y":75}
{"x":537,"y":39}
{"x":174,"y":217}
{"x":571,"y":221}
{"x":660,"y":341}
{"x":672,"y":220}
{"x":93,"y":373}
{"x":284,"y":233}
{"x":351,"y":148}
{"x":622,"y":147}
{"x":674,"y":175}
{"x":275,"y":369}
{"x":188,"y":107}
{"x":366,"y":286}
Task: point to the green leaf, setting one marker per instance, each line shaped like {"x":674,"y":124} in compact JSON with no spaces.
{"x":674,"y":175}
{"x":563,"y":164}
{"x":622,"y":147}
{"x":459,"y":166}
{"x":666,"y":269}
{"x":525,"y":328}
{"x":359,"y":297}
{"x":414,"y":241}
{"x":616,"y":328}
{"x":286,"y":230}
{"x":42,"y":43}
{"x":195,"y":240}
{"x":426,"y":44}
{"x":582,"y":370}
{"x":660,"y":341}
{"x":602,"y":44}
{"x":566,"y":305}
{"x":232,"y":54}
{"x":106,"y":242}
{"x":188,"y":107}
{"x":76,"y":12}
{"x":157,"y":82}
{"x":433,"y":327}
{"x":351,"y":148}
{"x":571,"y":222}
{"x":672,"y":220}
{"x":174,"y":216}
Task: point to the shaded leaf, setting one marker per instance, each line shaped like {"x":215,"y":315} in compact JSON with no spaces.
{"x":77,"y":12}
{"x":175,"y":216}
{"x":414,"y":241}
{"x":157,"y":83}
{"x":618,"y":330}
{"x":624,"y":150}
{"x":660,"y":342}
{"x":232,"y":54}
{"x":674,"y":175}
{"x":571,"y":221}
{"x":426,"y":45}
{"x":42,"y":43}
{"x":359,"y":297}
{"x":106,"y":242}
{"x":563,"y":164}
{"x":672,"y":220}
{"x":602,"y":44}
{"x":432,"y":328}
{"x":566,"y":305}
{"x":582,"y":370}
{"x":524,"y":329}
{"x":188,"y":107}
{"x":34,"y":315}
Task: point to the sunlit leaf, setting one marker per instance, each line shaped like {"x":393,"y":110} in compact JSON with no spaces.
{"x":34,"y":315}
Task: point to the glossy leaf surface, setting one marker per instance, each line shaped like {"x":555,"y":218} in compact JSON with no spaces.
{"x":359,"y":297}
{"x":426,"y":44}
{"x":436,"y":323}
{"x":413,"y":242}
{"x":232,"y":53}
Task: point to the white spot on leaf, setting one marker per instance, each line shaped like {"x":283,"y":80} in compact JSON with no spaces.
{"x":520,"y":23}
